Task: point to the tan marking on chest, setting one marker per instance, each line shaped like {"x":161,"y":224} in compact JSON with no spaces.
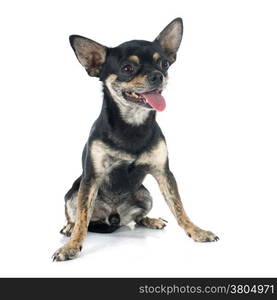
{"x":105,"y":158}
{"x":156,"y":157}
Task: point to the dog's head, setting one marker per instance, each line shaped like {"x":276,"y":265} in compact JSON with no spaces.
{"x":134,"y":72}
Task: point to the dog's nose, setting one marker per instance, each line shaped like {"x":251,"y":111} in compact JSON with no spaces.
{"x":155,"y":78}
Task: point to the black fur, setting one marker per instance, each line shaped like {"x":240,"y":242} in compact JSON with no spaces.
{"x":100,"y":227}
{"x":110,"y":127}
{"x":125,"y":142}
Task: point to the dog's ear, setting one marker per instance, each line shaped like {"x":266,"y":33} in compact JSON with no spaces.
{"x":90,"y":54}
{"x":170,"y":38}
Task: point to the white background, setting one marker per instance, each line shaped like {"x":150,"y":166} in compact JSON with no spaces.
{"x":220,"y":124}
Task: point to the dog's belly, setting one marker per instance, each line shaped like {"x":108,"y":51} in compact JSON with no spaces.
{"x":125,"y":178}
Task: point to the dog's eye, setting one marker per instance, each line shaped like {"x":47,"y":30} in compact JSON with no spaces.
{"x":127,"y":69}
{"x":164,"y":64}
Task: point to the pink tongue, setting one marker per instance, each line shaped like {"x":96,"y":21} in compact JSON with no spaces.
{"x":155,"y":99}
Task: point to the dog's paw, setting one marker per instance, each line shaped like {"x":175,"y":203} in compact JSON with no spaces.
{"x":66,"y":253}
{"x":200,"y":235}
{"x":153,"y":223}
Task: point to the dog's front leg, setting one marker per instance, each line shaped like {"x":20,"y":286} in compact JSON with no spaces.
{"x":168,"y":187}
{"x":86,"y":199}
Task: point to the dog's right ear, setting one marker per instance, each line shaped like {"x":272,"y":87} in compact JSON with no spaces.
{"x":90,"y":54}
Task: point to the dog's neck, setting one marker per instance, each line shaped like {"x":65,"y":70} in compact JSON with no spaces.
{"x":131,"y":115}
{"x":121,"y":131}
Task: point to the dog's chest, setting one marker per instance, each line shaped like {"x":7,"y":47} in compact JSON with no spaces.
{"x":117,"y":169}
{"x":124,"y":178}
{"x":109,"y":163}
{"x":105,"y":158}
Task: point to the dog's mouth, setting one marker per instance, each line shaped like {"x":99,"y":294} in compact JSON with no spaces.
{"x":152,"y":99}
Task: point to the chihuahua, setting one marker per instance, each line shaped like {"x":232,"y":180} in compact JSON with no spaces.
{"x":125,"y":143}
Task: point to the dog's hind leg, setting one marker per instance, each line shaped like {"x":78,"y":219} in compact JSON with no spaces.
{"x":137,"y":208}
{"x":67,"y":229}
{"x":144,"y":199}
{"x":152,"y":223}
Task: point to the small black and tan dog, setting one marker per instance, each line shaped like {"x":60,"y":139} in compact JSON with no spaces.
{"x":125,"y":143}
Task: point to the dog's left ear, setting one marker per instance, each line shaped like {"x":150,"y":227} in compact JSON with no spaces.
{"x":170,"y":38}
{"x":90,"y":54}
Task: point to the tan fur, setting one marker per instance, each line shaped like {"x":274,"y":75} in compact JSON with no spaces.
{"x":134,"y":58}
{"x":86,"y":199}
{"x":156,"y":157}
{"x":109,"y":81}
{"x":67,"y":229}
{"x":131,"y":114}
{"x":152,"y":223}
{"x":170,"y":192}
{"x":137,"y":82}
{"x":90,"y":54}
{"x":105,"y":158}
{"x":100,"y":151}
{"x":156,"y":56}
